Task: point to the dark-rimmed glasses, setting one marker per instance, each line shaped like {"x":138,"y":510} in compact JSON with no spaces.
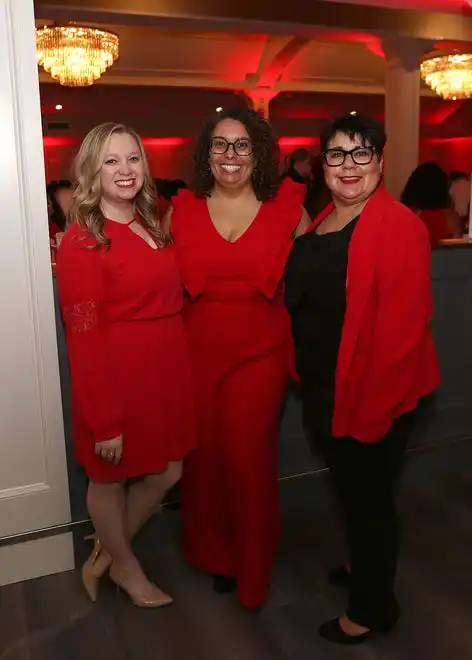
{"x":241,"y":147}
{"x":360,"y":156}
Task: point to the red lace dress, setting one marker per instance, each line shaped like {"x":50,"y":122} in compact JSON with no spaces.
{"x":127,"y":351}
{"x":239,"y":338}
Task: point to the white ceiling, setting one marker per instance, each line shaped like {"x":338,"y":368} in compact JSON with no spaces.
{"x":183,"y":58}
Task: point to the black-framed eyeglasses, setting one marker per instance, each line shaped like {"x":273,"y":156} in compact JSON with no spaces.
{"x":241,"y":147}
{"x":360,"y":156}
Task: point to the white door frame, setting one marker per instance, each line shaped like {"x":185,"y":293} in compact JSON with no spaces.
{"x":34,"y":492}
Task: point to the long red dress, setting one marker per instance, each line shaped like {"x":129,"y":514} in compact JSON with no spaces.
{"x":239,"y":338}
{"x":127,"y":351}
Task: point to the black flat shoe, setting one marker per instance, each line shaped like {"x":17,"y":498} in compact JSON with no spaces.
{"x":332,"y":632}
{"x":224,"y":584}
{"x":340,"y":577}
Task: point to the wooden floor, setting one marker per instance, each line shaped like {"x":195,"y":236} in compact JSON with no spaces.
{"x":50,"y":618}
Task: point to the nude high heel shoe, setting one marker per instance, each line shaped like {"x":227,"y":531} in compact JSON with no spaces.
{"x":150,"y":597}
{"x":90,"y":578}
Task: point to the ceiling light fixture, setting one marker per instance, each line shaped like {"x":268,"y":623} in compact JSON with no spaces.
{"x":75,"y":55}
{"x":449,"y":74}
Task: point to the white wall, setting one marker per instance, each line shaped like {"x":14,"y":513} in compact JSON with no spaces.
{"x":33,"y":478}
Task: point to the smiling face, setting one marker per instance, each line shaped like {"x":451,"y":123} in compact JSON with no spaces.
{"x":122,"y":172}
{"x":351,"y":183}
{"x":230,"y":169}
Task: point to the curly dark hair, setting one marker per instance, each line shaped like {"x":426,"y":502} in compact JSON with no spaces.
{"x":265,"y":177}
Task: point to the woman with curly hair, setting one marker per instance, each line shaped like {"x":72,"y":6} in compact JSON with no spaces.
{"x":234,"y":236}
{"x":121,"y":298}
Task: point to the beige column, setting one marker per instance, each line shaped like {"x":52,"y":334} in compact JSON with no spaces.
{"x":260,"y":99}
{"x":402,"y":109}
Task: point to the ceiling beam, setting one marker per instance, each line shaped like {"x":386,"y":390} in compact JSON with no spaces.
{"x":263,"y":16}
{"x":274,"y":61}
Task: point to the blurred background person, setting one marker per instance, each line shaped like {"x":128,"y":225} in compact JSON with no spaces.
{"x":459,"y":190}
{"x":298,"y":166}
{"x":59,"y":196}
{"x":426,"y":193}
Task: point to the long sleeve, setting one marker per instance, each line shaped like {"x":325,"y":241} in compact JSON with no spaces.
{"x":80,"y":278}
{"x":404,"y":304}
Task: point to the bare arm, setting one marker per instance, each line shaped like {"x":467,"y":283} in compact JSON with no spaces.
{"x":303,"y":225}
{"x":454,"y":223}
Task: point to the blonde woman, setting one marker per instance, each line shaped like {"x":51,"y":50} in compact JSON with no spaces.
{"x":121,"y":299}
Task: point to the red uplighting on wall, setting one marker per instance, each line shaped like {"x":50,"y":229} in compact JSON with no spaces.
{"x":166,"y":141}
{"x":59,"y":141}
{"x":465,"y":140}
{"x":453,"y":153}
{"x":294,"y":142}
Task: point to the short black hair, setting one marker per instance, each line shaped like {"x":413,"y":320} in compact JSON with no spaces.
{"x":265,"y":178}
{"x":427,"y":188}
{"x":370,"y":131}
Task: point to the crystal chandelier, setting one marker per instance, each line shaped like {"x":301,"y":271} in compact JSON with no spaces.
{"x":448,"y":74}
{"x":75,"y":55}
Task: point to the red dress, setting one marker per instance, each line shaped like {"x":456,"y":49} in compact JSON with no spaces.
{"x":239,"y":338}
{"x":127,"y":351}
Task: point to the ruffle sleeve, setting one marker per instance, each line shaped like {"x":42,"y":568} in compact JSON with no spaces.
{"x":291,"y":193}
{"x":286,"y":212}
{"x":185,"y":212}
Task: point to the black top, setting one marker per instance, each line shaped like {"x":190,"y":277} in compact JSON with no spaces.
{"x":315,"y":297}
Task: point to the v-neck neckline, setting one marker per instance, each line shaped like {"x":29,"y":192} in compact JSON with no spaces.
{"x":220,"y":235}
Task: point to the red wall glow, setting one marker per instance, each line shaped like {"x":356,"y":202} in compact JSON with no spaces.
{"x":153,"y":142}
{"x":450,"y":154}
{"x":172,"y":157}
{"x":169,"y":157}
{"x":295,"y":142}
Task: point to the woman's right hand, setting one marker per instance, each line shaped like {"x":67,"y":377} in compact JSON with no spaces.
{"x":110,"y":451}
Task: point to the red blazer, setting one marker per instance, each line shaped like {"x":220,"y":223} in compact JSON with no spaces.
{"x":387,"y":359}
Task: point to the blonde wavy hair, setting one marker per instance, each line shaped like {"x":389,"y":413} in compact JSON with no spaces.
{"x":86,"y":209}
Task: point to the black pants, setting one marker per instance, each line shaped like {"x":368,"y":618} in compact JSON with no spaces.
{"x":364,"y":478}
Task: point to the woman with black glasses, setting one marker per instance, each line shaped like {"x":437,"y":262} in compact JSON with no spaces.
{"x":359,"y":294}
{"x":233,"y":237}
